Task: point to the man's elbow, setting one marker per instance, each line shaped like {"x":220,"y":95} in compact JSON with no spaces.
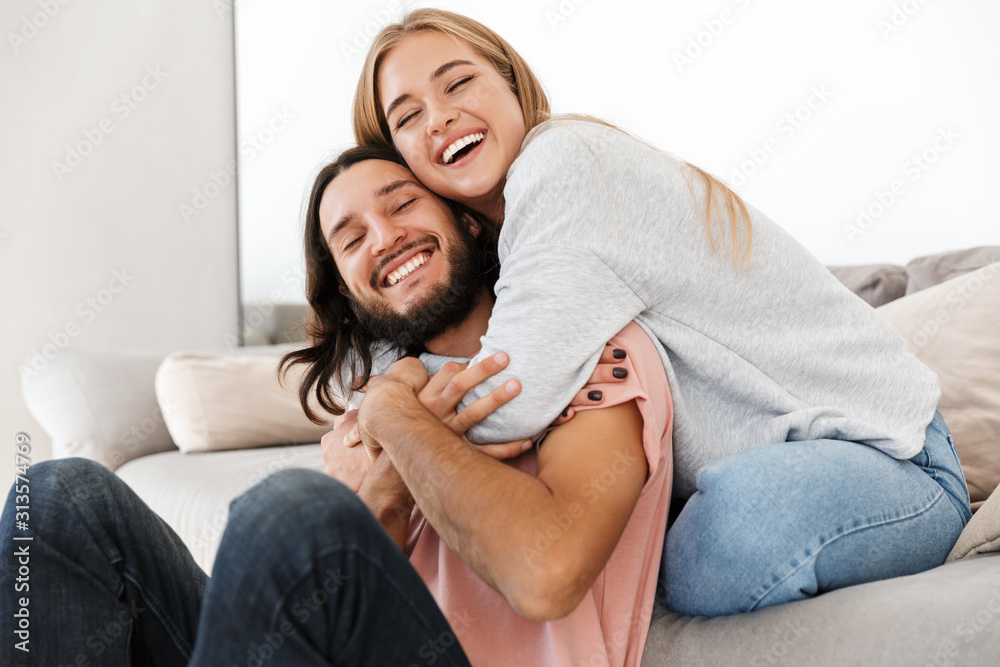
{"x":552,"y":593}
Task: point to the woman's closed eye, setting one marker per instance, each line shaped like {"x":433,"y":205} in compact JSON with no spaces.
{"x":405,"y":119}
{"x":461,"y":82}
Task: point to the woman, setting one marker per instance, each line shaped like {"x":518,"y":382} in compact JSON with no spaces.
{"x":805,"y":431}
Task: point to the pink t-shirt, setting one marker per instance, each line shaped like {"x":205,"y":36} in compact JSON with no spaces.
{"x":609,"y":625}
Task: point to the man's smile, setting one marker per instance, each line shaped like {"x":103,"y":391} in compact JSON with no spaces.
{"x":412,"y":265}
{"x":404,"y":265}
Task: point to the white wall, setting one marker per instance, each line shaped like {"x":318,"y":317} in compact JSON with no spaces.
{"x":143,"y":93}
{"x":887,"y":93}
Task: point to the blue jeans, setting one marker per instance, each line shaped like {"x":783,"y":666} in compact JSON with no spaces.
{"x":789,"y":521}
{"x":304,"y":576}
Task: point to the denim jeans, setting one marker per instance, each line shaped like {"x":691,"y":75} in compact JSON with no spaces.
{"x":304,"y":576}
{"x":788,"y":521}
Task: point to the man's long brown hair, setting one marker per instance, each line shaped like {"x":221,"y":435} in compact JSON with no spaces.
{"x":340,"y":349}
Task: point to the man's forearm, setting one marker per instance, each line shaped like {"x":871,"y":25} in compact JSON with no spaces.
{"x":484,"y":510}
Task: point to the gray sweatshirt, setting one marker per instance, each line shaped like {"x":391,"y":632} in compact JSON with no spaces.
{"x":601,"y":229}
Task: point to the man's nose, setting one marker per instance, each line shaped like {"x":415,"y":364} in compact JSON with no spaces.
{"x":386,"y":234}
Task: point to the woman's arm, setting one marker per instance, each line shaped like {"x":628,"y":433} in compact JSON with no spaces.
{"x":572,"y":272}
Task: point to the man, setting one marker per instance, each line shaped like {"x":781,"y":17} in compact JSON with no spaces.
{"x":548,"y":559}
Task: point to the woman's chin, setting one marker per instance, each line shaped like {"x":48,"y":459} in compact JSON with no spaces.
{"x":471,"y":191}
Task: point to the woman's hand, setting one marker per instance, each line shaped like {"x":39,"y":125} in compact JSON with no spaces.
{"x":607,"y":370}
{"x":440,"y":395}
{"x":444,"y":391}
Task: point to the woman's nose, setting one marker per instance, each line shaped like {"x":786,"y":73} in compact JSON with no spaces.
{"x":440,"y":117}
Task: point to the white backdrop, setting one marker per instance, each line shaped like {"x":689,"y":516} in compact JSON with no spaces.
{"x":864,"y":127}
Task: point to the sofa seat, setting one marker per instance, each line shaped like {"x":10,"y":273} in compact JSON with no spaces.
{"x":192,"y":492}
{"x":948,"y":616}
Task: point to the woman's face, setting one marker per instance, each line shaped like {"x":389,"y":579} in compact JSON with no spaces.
{"x":453,"y":118}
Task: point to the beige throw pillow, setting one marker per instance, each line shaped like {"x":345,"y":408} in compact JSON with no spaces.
{"x":231,"y":401}
{"x":954,"y":328}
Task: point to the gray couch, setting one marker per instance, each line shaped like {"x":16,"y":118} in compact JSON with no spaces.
{"x":102,"y":405}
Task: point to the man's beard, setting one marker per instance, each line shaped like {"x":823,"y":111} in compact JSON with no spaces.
{"x":444,"y":307}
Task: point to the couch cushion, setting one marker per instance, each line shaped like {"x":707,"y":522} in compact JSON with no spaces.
{"x":99,"y":404}
{"x":232,"y":401}
{"x":946,"y":616}
{"x":982,"y":534}
{"x":192,"y":492}
{"x":875,"y":283}
{"x":954,"y":328}
{"x":924,"y":272}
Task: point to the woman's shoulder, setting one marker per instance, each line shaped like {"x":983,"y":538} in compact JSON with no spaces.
{"x":573,"y":133}
{"x":567,"y":144}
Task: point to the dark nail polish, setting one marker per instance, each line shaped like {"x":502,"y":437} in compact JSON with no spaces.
{"x":620,"y":373}
{"x":595,"y":395}
{"x":565,"y":412}
{"x":618,"y":353}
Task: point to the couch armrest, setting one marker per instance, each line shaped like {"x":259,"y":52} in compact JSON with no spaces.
{"x":98,"y":404}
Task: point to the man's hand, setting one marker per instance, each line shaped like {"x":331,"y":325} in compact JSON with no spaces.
{"x":440,"y":395}
{"x":342,"y":463}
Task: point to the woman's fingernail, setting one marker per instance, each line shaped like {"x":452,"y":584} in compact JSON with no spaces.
{"x":565,"y":412}
{"x":595,"y":395}
{"x":511,"y":386}
{"x":526,"y":445}
{"x":620,"y":373}
{"x":500,"y":357}
{"x":618,"y":353}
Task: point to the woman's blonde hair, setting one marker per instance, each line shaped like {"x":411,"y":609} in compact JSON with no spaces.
{"x":372,"y":128}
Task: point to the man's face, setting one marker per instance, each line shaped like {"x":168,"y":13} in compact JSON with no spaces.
{"x":409,"y":267}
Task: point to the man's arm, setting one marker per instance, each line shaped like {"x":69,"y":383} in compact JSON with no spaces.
{"x":590,"y":472}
